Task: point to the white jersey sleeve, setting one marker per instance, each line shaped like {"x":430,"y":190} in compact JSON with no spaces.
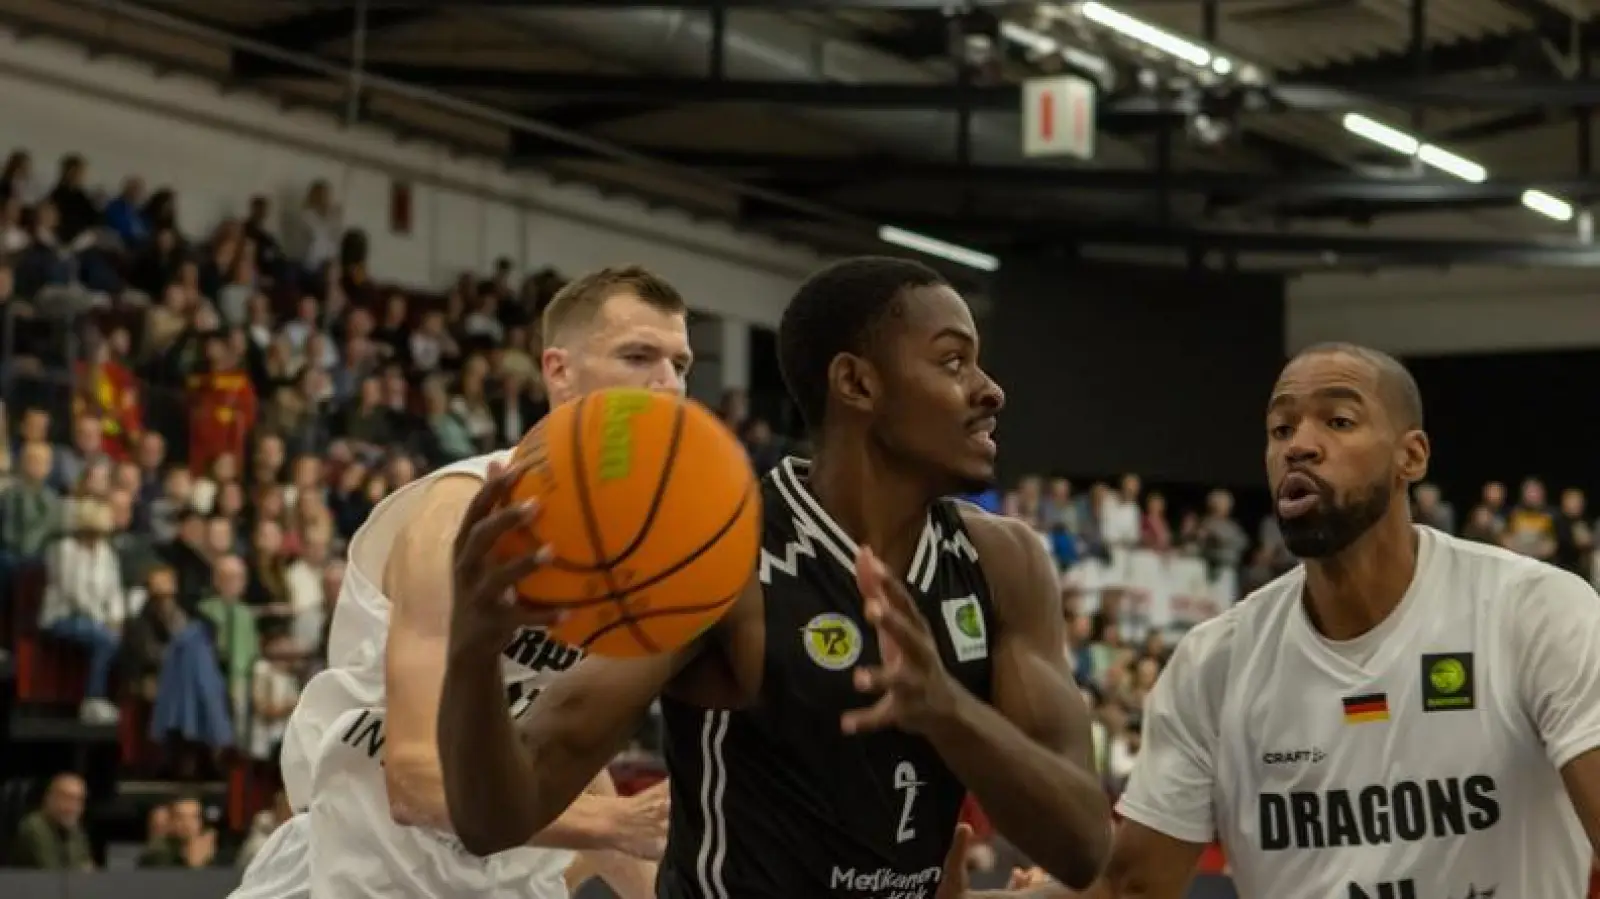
{"x":1555,"y":633}
{"x":1173,"y":784}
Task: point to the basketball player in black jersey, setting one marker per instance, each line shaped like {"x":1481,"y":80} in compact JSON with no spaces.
{"x":820,"y":739}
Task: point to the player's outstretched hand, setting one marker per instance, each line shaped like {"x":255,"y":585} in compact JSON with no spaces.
{"x":642,"y":829}
{"x":953,"y":883}
{"x":1027,"y":878}
{"x":485,"y":606}
{"x":916,"y":689}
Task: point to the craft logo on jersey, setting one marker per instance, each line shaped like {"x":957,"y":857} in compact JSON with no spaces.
{"x":963,"y":618}
{"x":832,"y":641}
{"x":616,"y":431}
{"x":1447,"y":682}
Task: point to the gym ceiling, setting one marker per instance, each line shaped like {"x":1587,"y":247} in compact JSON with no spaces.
{"x":1269,"y":135}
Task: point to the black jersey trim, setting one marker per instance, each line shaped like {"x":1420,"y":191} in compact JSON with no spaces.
{"x":789,"y":477}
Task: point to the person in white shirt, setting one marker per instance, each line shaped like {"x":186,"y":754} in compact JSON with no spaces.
{"x":1405,"y":716}
{"x":360,"y":752}
{"x":85,"y":601}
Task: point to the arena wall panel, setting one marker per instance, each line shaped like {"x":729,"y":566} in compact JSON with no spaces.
{"x":218,"y":147}
{"x":1470,"y":310}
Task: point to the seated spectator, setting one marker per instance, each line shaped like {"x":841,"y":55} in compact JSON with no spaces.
{"x":268,"y":592}
{"x":14,"y":236}
{"x":365,"y":422}
{"x":30,"y":510}
{"x":222,"y":405}
{"x":148,"y":633}
{"x":79,"y":213}
{"x":431,"y":346}
{"x":269,"y":257}
{"x":1155,"y":533}
{"x":177,"y":669}
{"x":52,"y":837}
{"x":471,"y":403}
{"x":125,"y":215}
{"x":85,"y":603}
{"x":136,"y":552}
{"x":18,"y":181}
{"x":186,"y":552}
{"x":233,"y":624}
{"x":308,"y":604}
{"x":320,"y":228}
{"x":191,"y":844}
{"x":47,"y":260}
{"x":108,"y":392}
{"x":274,"y":691}
{"x":451,"y":440}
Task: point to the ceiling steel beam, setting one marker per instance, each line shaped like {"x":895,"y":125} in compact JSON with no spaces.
{"x":1306,"y":186}
{"x":1326,"y":249}
{"x":928,"y":5}
{"x":1323,"y":97}
{"x":308,"y":31}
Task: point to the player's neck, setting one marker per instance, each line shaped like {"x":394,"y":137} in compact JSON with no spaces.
{"x":1353,"y":592}
{"x":874,"y":505}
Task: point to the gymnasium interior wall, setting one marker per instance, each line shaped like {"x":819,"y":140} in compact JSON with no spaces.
{"x":1114,"y":369}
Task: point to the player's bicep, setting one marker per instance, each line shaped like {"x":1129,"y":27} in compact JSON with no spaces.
{"x":1032,"y":686}
{"x":416,"y":580}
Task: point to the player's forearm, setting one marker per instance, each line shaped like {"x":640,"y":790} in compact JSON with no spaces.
{"x":495,"y":800}
{"x":628,"y":877}
{"x":1048,"y":805}
{"x":1050,"y":890}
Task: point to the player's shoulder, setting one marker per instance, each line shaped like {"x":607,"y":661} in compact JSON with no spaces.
{"x":1255,"y":620}
{"x":1004,"y":534}
{"x":1497,"y":576}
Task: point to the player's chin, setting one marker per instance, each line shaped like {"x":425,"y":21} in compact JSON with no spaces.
{"x":974,"y":475}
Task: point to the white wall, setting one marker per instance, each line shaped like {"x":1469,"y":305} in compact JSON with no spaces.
{"x":1435,"y":313}
{"x":217,"y":149}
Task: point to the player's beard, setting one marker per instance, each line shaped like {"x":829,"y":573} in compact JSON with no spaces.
{"x":1333,"y":526}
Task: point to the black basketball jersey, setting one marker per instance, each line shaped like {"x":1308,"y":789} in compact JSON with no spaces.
{"x":774,"y":801}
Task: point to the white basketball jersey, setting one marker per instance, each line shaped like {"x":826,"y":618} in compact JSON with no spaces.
{"x":332,"y":755}
{"x":1418,"y":761}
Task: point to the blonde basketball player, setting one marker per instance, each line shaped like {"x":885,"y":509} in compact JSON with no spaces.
{"x":360,"y":757}
{"x":1406,"y":716}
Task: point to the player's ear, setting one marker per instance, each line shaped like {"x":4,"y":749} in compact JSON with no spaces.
{"x":854,"y":381}
{"x":1413,"y":452}
{"x":556,"y":366}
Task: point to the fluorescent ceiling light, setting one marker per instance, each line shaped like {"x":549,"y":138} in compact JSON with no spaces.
{"x":1145,"y":33}
{"x":1045,"y":45}
{"x":1547,"y":205}
{"x":1381,"y":134}
{"x":1449,"y":163}
{"x":938,"y":248}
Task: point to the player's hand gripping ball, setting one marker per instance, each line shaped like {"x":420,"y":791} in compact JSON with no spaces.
{"x":652,"y":516}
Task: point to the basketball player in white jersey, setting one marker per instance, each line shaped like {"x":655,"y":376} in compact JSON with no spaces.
{"x":360,"y":758}
{"x":1405,"y":716}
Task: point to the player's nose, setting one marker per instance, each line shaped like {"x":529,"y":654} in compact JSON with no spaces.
{"x":991,"y":396}
{"x":666,"y":378}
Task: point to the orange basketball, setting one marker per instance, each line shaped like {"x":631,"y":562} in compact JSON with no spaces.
{"x":653,"y":513}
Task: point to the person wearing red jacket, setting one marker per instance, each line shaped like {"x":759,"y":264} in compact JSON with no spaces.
{"x":222,"y":406}
{"x":105,"y":387}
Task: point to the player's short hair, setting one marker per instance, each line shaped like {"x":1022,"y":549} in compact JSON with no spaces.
{"x":577,"y":304}
{"x":837,"y":311}
{"x":1397,"y":387}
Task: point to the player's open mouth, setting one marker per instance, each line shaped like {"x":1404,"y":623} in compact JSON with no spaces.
{"x":982,"y":433}
{"x":1298,"y":494}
